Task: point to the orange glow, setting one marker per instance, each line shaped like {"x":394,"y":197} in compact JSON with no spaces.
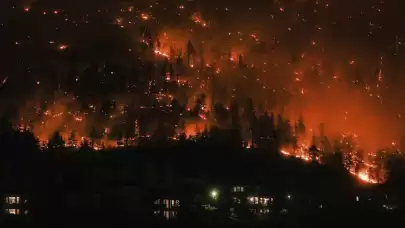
{"x":160,"y":53}
{"x":63,"y":47}
{"x":196,"y":18}
{"x":145,"y":16}
{"x":363,"y":176}
{"x":119,"y":20}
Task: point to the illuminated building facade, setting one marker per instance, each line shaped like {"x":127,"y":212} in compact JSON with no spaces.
{"x":15,"y":204}
{"x":167,"y":207}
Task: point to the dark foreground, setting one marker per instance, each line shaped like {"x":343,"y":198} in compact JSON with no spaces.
{"x":187,"y":186}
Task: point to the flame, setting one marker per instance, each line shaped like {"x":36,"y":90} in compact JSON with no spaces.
{"x":145,"y":16}
{"x":163,"y":54}
{"x":196,"y":18}
{"x":63,"y":47}
{"x":364,"y":176}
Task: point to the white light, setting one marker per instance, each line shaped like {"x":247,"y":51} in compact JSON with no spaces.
{"x":214,"y":193}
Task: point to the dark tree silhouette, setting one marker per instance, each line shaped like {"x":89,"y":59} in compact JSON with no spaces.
{"x":190,"y":52}
{"x":235,"y":120}
{"x":221,"y":114}
{"x":314,"y":153}
{"x":25,"y":144}
{"x":56,"y":141}
{"x":199,"y":104}
{"x":72,"y":136}
{"x":300,"y":127}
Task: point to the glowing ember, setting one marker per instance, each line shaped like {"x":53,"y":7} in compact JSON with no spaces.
{"x":145,"y":16}
{"x":63,"y":47}
{"x":196,"y":18}
{"x":364,"y":176}
{"x":160,"y":53}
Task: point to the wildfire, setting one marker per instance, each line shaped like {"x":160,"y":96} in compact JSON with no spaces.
{"x":302,"y":152}
{"x":163,"y":54}
{"x":364,"y":176}
{"x":119,"y":20}
{"x":63,"y":47}
{"x":196,"y":18}
{"x":145,"y":16}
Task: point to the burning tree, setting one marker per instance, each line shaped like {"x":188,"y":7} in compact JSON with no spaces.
{"x":349,"y":147}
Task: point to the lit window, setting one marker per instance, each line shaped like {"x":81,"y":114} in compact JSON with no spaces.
{"x":242,"y":189}
{"x":264,"y":201}
{"x":166,"y":203}
{"x":177,"y":203}
{"x":254,"y":200}
{"x":12,"y":200}
{"x":12,"y":211}
{"x":169,"y":214}
{"x":157,"y":202}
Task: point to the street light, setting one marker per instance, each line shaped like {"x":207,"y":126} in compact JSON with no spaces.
{"x":214,"y":194}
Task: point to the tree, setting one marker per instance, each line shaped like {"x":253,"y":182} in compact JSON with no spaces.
{"x":221,"y":114}
{"x":288,"y":132}
{"x":94,"y":135}
{"x":190,"y":52}
{"x":26,"y":144}
{"x":56,"y":141}
{"x":160,"y":135}
{"x":199,"y":104}
{"x":182,"y":137}
{"x":6,"y":128}
{"x":249,"y":109}
{"x":6,"y":135}
{"x":300,"y":127}
{"x":314,"y":152}
{"x":72,"y":136}
{"x":241,"y":62}
{"x":175,"y":106}
{"x":395,"y":175}
{"x":358,"y":160}
{"x":85,"y":144}
{"x":235,"y":114}
{"x":280,"y":129}
{"x":85,"y":147}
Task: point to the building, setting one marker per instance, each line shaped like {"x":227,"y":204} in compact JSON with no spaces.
{"x":166,"y":207}
{"x":15,"y":204}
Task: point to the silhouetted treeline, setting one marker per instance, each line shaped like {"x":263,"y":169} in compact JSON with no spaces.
{"x":67,"y":187}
